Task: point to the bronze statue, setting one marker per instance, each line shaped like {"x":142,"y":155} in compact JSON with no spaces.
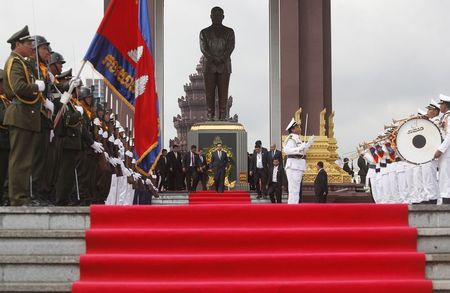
{"x":217,"y":44}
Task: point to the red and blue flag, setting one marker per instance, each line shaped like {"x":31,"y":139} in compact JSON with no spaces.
{"x":121,"y":52}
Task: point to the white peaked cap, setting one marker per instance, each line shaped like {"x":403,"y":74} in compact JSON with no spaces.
{"x":444,"y":98}
{"x":133,"y":161}
{"x":434,"y":103}
{"x":121,"y":129}
{"x":421,"y":112}
{"x":292,"y":123}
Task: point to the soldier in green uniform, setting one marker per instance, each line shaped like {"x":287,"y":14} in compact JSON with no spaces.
{"x":4,"y":143}
{"x":22,"y":117}
{"x":87,"y":168}
{"x":69,"y":132}
{"x":42,"y":163}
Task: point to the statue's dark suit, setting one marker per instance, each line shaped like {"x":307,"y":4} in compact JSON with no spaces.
{"x":217,"y":44}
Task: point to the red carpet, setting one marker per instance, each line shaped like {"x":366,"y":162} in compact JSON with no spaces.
{"x":211,"y":197}
{"x":252,"y":248}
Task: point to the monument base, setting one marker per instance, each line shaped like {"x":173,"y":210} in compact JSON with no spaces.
{"x":233,"y":137}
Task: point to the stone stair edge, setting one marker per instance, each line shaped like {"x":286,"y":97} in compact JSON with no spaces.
{"x":41,"y":233}
{"x":44,"y":210}
{"x":39,"y":259}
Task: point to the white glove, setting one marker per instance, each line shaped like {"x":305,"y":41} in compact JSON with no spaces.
{"x":106,"y":155}
{"x":79,"y":109}
{"x":52,"y":135}
{"x":40,"y":84}
{"x":100,"y":132}
{"x":129,"y":154}
{"x":51,"y":77}
{"x":65,"y":98}
{"x":49,"y":105}
{"x":136,"y":176}
{"x":111,"y":138}
{"x":148,"y":182}
{"x":125,"y":171}
{"x":97,"y":121}
{"x":113,"y":161}
{"x":310,"y":141}
{"x":105,"y":134}
{"x":75,"y":81}
{"x":97,"y":147}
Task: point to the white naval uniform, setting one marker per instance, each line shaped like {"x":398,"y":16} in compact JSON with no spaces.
{"x":295,"y":167}
{"x":429,"y":175}
{"x":418,"y":192}
{"x":444,"y":160}
{"x":402,"y":186}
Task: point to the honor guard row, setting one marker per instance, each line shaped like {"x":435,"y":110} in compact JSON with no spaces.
{"x":58,"y":147}
{"x":410,"y":161}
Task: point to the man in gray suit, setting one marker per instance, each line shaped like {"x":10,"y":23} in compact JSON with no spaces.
{"x":219,"y":160}
{"x":217,"y":44}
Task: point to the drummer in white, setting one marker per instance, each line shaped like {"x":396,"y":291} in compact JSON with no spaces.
{"x":295,"y":151}
{"x":429,"y":170}
{"x":443,"y":152}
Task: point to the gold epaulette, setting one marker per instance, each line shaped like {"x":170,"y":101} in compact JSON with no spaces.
{"x":27,"y":76}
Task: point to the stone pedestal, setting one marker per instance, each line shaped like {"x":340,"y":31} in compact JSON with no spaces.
{"x":233,"y":137}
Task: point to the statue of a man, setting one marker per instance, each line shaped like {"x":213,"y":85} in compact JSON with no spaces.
{"x":217,"y":44}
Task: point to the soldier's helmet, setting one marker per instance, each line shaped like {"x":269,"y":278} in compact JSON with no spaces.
{"x":56,"y":58}
{"x":84,"y":93}
{"x":39,"y":41}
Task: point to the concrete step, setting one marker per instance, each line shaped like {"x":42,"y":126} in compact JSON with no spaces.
{"x":438,"y":266}
{"x":54,"y":287}
{"x":441,"y":286}
{"x":38,"y":268}
{"x":44,"y":218}
{"x":42,"y":242}
{"x":429,"y":216}
{"x":433,"y":240}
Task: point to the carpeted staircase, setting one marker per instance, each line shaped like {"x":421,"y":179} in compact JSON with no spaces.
{"x":211,"y":197}
{"x":252,"y":248}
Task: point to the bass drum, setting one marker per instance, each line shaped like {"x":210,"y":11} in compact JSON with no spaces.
{"x":417,"y":139}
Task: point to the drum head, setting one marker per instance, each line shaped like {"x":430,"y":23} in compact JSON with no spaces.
{"x":417,"y":140}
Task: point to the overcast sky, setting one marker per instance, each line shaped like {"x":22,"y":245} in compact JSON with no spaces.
{"x":389,"y":56}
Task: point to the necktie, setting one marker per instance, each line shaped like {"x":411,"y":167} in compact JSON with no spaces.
{"x":220,"y":154}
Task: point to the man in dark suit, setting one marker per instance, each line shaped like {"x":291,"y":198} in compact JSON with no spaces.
{"x":175,"y":169}
{"x":217,"y":44}
{"x":321,"y":184}
{"x":347,"y":168}
{"x":363,"y":169}
{"x":202,"y":170}
{"x":219,"y":160}
{"x":190,"y":168}
{"x":275,"y":181}
{"x":274,"y":154}
{"x":259,"y":169}
{"x":162,"y":171}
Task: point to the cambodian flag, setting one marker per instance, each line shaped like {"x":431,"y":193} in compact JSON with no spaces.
{"x":121,"y":52}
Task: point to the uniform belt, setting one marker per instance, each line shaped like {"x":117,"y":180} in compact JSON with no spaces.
{"x":296,"y":157}
{"x":377,"y":170}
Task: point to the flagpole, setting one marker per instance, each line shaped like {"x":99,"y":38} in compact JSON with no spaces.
{"x":71,"y":88}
